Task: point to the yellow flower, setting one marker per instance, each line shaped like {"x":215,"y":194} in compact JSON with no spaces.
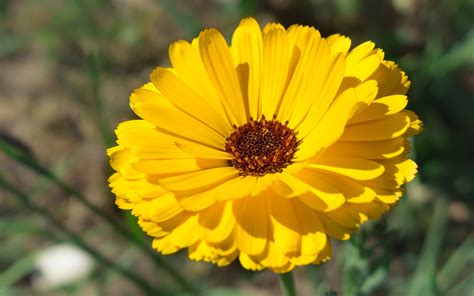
{"x":264,"y":149}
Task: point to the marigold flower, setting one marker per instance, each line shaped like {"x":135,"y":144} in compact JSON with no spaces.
{"x":264,"y":149}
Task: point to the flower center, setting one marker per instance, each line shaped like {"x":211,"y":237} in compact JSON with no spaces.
{"x":261,"y":147}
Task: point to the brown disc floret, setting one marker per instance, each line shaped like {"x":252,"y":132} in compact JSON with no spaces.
{"x":261,"y":147}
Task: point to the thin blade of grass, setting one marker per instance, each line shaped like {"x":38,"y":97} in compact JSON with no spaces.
{"x":94,"y":70}
{"x":17,"y":271}
{"x":424,"y":279}
{"x":465,"y":287}
{"x":461,"y":257}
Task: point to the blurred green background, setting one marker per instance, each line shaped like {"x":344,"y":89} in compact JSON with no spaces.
{"x":66,"y":70}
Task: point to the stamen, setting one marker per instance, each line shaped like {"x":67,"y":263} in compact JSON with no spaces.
{"x":261,"y":147}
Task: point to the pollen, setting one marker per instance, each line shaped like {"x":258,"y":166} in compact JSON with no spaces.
{"x":261,"y":147}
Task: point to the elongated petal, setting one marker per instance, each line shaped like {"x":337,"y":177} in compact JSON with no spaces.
{"x":199,"y":180}
{"x":188,"y":101}
{"x":368,"y":149}
{"x":220,"y":67}
{"x":329,"y":129}
{"x":325,"y":98}
{"x":285,"y":224}
{"x":380,"y":108}
{"x":308,"y":77}
{"x":358,"y":169}
{"x":170,"y":166}
{"x":188,"y":65}
{"x":164,"y":116}
{"x":387,"y":128}
{"x":247,"y":47}
{"x":217,"y":223}
{"x":322,"y":195}
{"x":201,"y":151}
{"x":251,"y":234}
{"x":276,"y":56}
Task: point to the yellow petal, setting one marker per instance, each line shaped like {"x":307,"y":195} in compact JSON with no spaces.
{"x":196,"y":202}
{"x":201,"y":151}
{"x":285,"y":225}
{"x":164,"y":246}
{"x":353,"y":191}
{"x":405,"y":168}
{"x":369,"y":149}
{"x":125,"y":126}
{"x":355,"y":168}
{"x":339,"y":44}
{"x":391,"y":79}
{"x":151,"y":228}
{"x":391,"y":179}
{"x":123,"y":204}
{"x":313,"y":236}
{"x":283,"y":269}
{"x":334,"y":229}
{"x":188,"y":65}
{"x":263,"y":183}
{"x":217,"y":222}
{"x":121,"y":160}
{"x":249,"y":263}
{"x":209,"y":253}
{"x":308,"y":78}
{"x":324,"y":255}
{"x":380,"y":108}
{"x":359,"y":52}
{"x":326,"y":97}
{"x":322,"y":195}
{"x":365,"y":94}
{"x":364,"y":68}
{"x":388,"y":197}
{"x":246,"y":49}
{"x":235,"y":188}
{"x":147,"y":190}
{"x":416,"y":125}
{"x":276,"y":57}
{"x":167,"y":117}
{"x":220,"y":67}
{"x":222,"y":189}
{"x":170,"y":166}
{"x":163,"y":208}
{"x":251,"y":234}
{"x":273,"y":257}
{"x":354,"y":214}
{"x":180,"y":237}
{"x":329,"y":129}
{"x":188,"y":101}
{"x":147,"y":142}
{"x":199,"y":180}
{"x":390,"y":127}
{"x":347,"y":217}
{"x":288,"y":186}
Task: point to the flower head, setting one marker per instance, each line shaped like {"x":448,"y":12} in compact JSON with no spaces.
{"x":264,"y":149}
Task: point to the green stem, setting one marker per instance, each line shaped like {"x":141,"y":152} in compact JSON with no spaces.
{"x":32,"y":164}
{"x":287,"y":284}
